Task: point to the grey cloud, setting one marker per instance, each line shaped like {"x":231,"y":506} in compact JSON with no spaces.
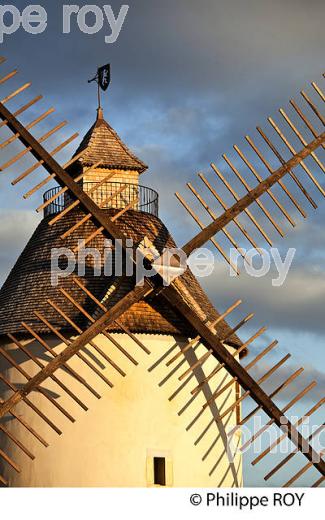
{"x":297,"y":305}
{"x":15,"y":230}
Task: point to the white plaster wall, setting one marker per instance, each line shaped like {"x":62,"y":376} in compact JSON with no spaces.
{"x":148,"y":412}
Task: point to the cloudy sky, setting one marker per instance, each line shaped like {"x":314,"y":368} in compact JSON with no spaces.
{"x":189,"y":80}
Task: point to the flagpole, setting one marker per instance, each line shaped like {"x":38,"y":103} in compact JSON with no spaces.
{"x":99,"y":100}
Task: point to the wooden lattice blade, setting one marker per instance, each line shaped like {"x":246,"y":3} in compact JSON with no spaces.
{"x":201,"y":238}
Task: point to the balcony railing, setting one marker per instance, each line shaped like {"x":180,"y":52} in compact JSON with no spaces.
{"x":109,"y":195}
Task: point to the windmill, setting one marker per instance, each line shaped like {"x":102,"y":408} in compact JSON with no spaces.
{"x":211,"y":351}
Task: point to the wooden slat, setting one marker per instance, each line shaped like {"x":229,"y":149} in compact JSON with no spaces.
{"x":31,"y":405}
{"x":318,"y":482}
{"x":8,"y":76}
{"x":262,"y":354}
{"x":68,"y":343}
{"x":225,"y":207}
{"x":3,"y":481}
{"x":214,"y":216}
{"x":41,"y":390}
{"x":282,"y":160}
{"x":304,"y":119}
{"x":271,"y":171}
{"x":303,"y":142}
{"x":64,"y":190}
{"x":92,"y":320}
{"x":23,"y":108}
{"x":299,"y":473}
{"x":89,"y":215}
{"x":212,"y":240}
{"x":302,"y":164}
{"x":183,"y":350}
{"x":260,"y":179}
{"x":237,"y":198}
{"x":318,"y":90}
{"x":53,"y":377}
{"x":105,"y":333}
{"x":102,"y":228}
{"x":258,"y":202}
{"x":124,"y":210}
{"x":275,"y":392}
{"x":24,"y":152}
{"x":16,"y":441}
{"x":61,"y":359}
{"x":56,"y":150}
{"x":293,"y":401}
{"x":313,"y":107}
{"x":218,"y":393}
{"x":31,"y":430}
{"x":266,"y":376}
{"x":88,"y":239}
{"x":222,"y":365}
{"x":225,"y":314}
{"x":70,"y":370}
{"x":37,"y":165}
{"x":14,"y":94}
{"x":283,"y":436}
{"x":91,"y":343}
{"x":35,"y":122}
{"x":223,"y":355}
{"x":291,"y":455}
{"x":198,"y":363}
{"x":77,"y":202}
{"x":9,"y":460}
{"x":237,"y":327}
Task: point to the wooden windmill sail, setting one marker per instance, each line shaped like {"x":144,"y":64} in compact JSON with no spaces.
{"x":202,"y":325}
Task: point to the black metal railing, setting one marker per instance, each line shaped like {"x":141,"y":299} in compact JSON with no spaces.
{"x":109,"y":195}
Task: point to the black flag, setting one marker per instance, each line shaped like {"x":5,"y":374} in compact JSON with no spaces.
{"x":104,"y":76}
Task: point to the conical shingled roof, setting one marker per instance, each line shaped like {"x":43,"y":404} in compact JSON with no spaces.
{"x":28,"y":287}
{"x":104,"y":144}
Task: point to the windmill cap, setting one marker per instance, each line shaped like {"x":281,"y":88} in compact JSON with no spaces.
{"x":102,"y":144}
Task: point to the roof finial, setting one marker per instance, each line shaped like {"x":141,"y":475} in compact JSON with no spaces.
{"x":100,"y":114}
